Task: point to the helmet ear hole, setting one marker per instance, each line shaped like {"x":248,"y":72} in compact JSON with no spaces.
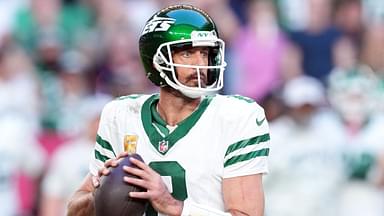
{"x":158,"y":59}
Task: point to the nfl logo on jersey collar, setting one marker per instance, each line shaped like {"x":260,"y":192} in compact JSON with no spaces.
{"x":163,"y":146}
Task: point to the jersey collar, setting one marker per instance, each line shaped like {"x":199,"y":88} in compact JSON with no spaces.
{"x":161,"y":141}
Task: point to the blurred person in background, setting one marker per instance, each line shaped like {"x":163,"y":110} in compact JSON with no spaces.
{"x":373,"y":55}
{"x":137,"y":11}
{"x":8,"y":11}
{"x":349,"y":18}
{"x":373,"y":48}
{"x":109,"y":16}
{"x":20,"y":152}
{"x":257,"y":52}
{"x":293,"y":14}
{"x":73,"y":90}
{"x":22,"y":160}
{"x":119,"y":71}
{"x":317,"y":39}
{"x":70,"y":163}
{"x":306,"y":161}
{"x":352,"y":95}
{"x":373,"y":11}
{"x":345,"y":54}
{"x":291,"y":63}
{"x":18,"y":86}
{"x":71,"y":19}
{"x":290,"y":67}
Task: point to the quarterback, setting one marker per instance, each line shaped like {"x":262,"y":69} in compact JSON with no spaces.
{"x":204,"y":153}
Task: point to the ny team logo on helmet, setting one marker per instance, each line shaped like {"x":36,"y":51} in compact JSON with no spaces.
{"x":176,"y":27}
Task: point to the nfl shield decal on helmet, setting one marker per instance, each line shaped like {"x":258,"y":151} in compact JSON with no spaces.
{"x":163,"y":146}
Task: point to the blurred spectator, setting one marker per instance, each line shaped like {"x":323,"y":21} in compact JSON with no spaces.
{"x":373,"y":11}
{"x":345,"y":55}
{"x":138,"y":11}
{"x":291,"y":65}
{"x":68,"y":19}
{"x":70,"y":162}
{"x":373,"y":55}
{"x":273,"y":105}
{"x":110,"y":16}
{"x":373,"y":48}
{"x":19,"y":152}
{"x":18,"y":86}
{"x":293,"y":13}
{"x":19,"y":107}
{"x":306,"y":161}
{"x":73,"y":91}
{"x":352,"y":94}
{"x":257,"y":51}
{"x":317,"y":39}
{"x":8,"y":11}
{"x":120,"y":72}
{"x":349,"y":18}
{"x":238,"y":7}
{"x":48,"y":66}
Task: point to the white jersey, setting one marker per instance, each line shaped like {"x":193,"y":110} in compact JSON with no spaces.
{"x":226,"y":136}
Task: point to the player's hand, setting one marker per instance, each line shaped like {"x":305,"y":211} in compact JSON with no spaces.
{"x":105,"y":170}
{"x":157,"y":192}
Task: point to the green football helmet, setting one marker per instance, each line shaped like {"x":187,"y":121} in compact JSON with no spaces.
{"x":181,"y":27}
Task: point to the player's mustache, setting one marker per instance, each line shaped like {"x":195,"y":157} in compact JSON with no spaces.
{"x":194,"y":76}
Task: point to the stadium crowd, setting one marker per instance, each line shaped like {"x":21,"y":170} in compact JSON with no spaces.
{"x":316,"y":66}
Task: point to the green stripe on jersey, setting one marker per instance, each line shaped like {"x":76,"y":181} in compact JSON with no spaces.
{"x":105,"y":144}
{"x":100,"y":156}
{"x":243,"y":143}
{"x":248,"y":156}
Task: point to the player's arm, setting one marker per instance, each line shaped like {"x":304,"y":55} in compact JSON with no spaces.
{"x":244,"y":195}
{"x":81,"y":203}
{"x":245,"y":160}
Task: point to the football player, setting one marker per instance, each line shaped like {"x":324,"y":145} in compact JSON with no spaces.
{"x":205,"y":153}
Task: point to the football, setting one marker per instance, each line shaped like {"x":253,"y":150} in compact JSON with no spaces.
{"x":112,"y":196}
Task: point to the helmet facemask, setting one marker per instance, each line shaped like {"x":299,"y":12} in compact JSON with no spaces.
{"x":209,"y":77}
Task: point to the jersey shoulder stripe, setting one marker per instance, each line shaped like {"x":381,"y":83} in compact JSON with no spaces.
{"x":104,"y":143}
{"x":100,"y":156}
{"x":248,"y":156}
{"x":243,"y":143}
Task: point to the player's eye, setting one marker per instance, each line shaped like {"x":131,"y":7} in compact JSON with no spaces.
{"x":186,"y":53}
{"x":204,"y":53}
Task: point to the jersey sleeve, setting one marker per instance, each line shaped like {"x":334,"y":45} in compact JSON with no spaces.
{"x":106,"y":138}
{"x":248,"y":141}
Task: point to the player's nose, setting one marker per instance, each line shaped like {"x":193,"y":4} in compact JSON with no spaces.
{"x":200,"y":59}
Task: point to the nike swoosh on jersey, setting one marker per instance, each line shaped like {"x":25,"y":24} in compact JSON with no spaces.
{"x":260,"y":122}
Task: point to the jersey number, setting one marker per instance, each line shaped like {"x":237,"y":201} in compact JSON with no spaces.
{"x":177,"y":173}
